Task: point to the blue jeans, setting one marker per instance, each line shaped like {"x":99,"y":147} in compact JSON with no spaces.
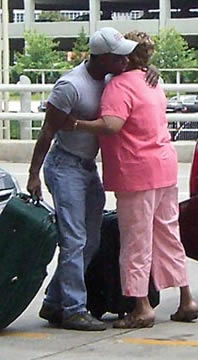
{"x":79,"y":199}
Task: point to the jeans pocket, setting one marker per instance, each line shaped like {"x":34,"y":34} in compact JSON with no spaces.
{"x":58,"y":160}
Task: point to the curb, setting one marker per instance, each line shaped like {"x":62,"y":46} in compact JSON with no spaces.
{"x":20,"y":151}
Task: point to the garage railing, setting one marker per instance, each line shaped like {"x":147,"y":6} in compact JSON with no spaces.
{"x":29,"y":122}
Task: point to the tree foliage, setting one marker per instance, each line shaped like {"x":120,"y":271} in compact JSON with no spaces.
{"x":80,"y":49}
{"x":52,"y":16}
{"x":40,"y":52}
{"x":172,"y":51}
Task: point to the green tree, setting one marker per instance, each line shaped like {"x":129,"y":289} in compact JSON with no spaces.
{"x":80,"y":49}
{"x":172,"y":51}
{"x":52,"y":16}
{"x":40,"y":53}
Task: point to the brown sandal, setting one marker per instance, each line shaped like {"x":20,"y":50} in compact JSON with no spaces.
{"x":123,"y":323}
{"x":142,"y":323}
{"x":130,"y":322}
{"x":185,"y":316}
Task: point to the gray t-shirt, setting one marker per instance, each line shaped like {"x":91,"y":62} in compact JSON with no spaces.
{"x":78,"y":93}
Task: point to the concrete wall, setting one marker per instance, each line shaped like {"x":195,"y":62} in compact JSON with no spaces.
{"x":185,"y":26}
{"x":21,"y":150}
{"x":72,"y":29}
{"x":150,"y":26}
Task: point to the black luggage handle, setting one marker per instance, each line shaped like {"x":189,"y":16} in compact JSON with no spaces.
{"x":37,"y":202}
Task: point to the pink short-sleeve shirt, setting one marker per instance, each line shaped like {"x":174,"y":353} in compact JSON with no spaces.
{"x":140,"y":156}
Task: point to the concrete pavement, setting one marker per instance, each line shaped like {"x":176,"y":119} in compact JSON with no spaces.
{"x":30,"y":338}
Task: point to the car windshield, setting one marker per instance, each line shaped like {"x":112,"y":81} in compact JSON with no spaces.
{"x":183,"y":99}
{"x":189,"y":99}
{"x":175,"y":100}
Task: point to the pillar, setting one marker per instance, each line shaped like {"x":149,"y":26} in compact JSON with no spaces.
{"x":29,"y":7}
{"x":94,"y":15}
{"x":25,"y":102}
{"x":165,"y":12}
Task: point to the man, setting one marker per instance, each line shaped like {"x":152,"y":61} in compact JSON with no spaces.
{"x":72,"y":179}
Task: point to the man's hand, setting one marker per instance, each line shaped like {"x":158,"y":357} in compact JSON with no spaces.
{"x":34,"y":186}
{"x":152,"y":76}
{"x":54,"y":120}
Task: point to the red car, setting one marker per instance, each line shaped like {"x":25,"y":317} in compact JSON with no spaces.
{"x":194,"y":173}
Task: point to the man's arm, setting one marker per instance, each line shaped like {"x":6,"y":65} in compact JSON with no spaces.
{"x":54,"y":121}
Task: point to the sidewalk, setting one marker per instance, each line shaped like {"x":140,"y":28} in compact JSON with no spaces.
{"x":31,"y":338}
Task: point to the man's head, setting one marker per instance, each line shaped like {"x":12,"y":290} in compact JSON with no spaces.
{"x":110,"y":41}
{"x":111,"y":49}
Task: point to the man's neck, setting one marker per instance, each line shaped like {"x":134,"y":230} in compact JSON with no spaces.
{"x":94,"y":71}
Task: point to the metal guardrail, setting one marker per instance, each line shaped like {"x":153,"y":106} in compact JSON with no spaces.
{"x":22,"y":116}
{"x":22,"y":88}
{"x":48,"y":87}
{"x":173,"y":118}
{"x":181,"y":117}
{"x":180,"y":87}
{"x":18,"y":88}
{"x":40,"y":116}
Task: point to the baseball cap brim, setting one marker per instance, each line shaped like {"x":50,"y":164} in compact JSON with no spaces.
{"x":125,"y":47}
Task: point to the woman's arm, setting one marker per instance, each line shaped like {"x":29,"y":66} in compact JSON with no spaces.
{"x":107,"y":125}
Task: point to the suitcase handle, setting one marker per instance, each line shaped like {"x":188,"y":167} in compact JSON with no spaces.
{"x":28,"y":198}
{"x":34,"y":200}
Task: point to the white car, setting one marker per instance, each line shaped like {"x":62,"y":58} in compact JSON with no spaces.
{"x":8,"y":188}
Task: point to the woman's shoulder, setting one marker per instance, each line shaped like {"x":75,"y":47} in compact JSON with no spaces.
{"x":129,"y":75}
{"x":128,"y":78}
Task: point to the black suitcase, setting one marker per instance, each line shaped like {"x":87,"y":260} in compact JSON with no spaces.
{"x":103,"y":275}
{"x":27,"y":244}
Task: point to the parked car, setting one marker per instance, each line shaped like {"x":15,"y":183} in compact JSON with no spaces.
{"x":42,"y":106}
{"x":194,"y":173}
{"x":183,"y":103}
{"x":84,"y":17}
{"x":190,"y":104}
{"x":8,"y":188}
{"x":174,"y":104}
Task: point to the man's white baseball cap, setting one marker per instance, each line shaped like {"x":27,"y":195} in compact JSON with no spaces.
{"x":109,"y":40}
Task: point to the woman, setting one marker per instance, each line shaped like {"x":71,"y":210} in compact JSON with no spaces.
{"x":140,"y":166}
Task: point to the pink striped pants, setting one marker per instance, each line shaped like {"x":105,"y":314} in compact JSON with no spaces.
{"x":150,"y":241}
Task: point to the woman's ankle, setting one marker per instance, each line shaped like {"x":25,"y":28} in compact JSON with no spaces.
{"x":143,"y":305}
{"x":186,"y":298}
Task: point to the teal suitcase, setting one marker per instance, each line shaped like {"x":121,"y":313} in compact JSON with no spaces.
{"x":27,"y":244}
